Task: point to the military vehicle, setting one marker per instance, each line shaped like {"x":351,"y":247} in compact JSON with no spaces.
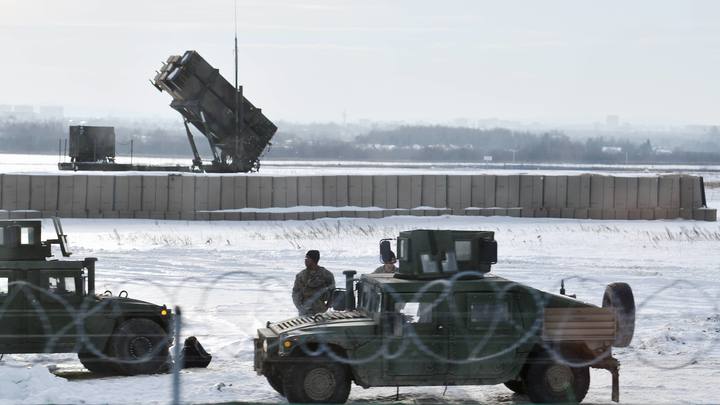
{"x":50,"y":306}
{"x":443,"y":320}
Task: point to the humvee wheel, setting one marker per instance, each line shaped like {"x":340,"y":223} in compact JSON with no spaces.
{"x":96,"y":364}
{"x":316,"y":382}
{"x":139,"y":346}
{"x":276,"y":382}
{"x":619,"y":297}
{"x":516,"y":386}
{"x":552,"y":382}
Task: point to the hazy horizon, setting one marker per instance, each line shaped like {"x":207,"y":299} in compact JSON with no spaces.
{"x":648,"y":62}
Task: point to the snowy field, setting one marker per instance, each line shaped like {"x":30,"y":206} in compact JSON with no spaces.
{"x":230,"y":277}
{"x":17,"y":163}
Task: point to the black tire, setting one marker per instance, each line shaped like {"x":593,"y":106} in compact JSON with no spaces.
{"x":139,"y":346}
{"x":316,"y":381}
{"x":516,"y":386}
{"x":550,"y":382}
{"x":96,"y":364}
{"x":619,"y":297}
{"x":276,"y":382}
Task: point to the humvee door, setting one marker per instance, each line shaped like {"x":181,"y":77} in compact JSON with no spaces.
{"x":417,"y":341}
{"x":51,"y":316}
{"x":12,"y":319}
{"x":485,"y":335}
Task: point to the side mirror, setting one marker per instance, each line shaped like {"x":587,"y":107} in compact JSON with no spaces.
{"x":386,"y":252}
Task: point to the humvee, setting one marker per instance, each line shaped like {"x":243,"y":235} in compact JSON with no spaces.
{"x":442,"y":320}
{"x":50,"y":306}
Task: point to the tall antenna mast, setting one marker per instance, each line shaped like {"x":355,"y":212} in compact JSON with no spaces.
{"x":237,"y":89}
{"x":236,"y":52}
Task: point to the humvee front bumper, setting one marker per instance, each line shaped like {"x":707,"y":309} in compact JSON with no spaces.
{"x":266,"y":347}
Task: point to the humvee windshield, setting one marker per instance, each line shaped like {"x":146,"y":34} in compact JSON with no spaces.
{"x":370,"y":299}
{"x":4,"y":285}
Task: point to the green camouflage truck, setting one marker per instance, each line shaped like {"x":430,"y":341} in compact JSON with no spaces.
{"x":50,"y":306}
{"x":443,"y":320}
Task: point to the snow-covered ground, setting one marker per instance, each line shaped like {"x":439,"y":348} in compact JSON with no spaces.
{"x":230,"y":277}
{"x":19,"y":163}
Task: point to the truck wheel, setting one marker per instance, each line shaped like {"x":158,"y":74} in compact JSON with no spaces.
{"x":96,"y":364}
{"x":516,"y":386}
{"x":276,"y":382}
{"x":619,"y":297}
{"x":139,"y":346}
{"x":316,"y":382}
{"x":552,"y":382}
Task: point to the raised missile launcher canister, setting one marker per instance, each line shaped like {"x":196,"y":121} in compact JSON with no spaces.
{"x":237,"y":136}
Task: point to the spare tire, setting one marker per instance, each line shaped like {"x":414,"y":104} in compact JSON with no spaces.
{"x":139,"y":346}
{"x":619,"y":297}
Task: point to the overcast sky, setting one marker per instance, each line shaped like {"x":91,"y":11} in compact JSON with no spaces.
{"x":568,"y":61}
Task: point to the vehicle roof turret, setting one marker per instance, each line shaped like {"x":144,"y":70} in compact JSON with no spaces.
{"x":22,"y":240}
{"x":429,"y":254}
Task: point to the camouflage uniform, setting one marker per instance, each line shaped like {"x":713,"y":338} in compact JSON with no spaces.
{"x":312,"y":289}
{"x":381,"y":269}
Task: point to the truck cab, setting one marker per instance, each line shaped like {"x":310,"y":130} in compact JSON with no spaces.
{"x":444,"y":319}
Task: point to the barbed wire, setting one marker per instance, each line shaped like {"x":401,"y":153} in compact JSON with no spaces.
{"x":43,"y":308}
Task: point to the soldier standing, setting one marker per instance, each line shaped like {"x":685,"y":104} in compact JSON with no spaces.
{"x":313,"y":286}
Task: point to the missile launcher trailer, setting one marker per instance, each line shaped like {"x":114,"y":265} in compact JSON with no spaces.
{"x":236,"y":130}
{"x":51,"y":306}
{"x":441,"y":320}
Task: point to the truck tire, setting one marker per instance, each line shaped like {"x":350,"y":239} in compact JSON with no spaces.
{"x":276,"y":382}
{"x":96,"y":364}
{"x":619,"y":297}
{"x":139,"y":346}
{"x":549,"y":382}
{"x":316,"y":381}
{"x":516,"y":386}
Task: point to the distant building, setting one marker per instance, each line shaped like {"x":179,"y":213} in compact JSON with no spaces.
{"x":5,"y":111}
{"x":612,"y":150}
{"x":612,"y":121}
{"x":28,"y":112}
{"x":23,"y":112}
{"x":51,"y":112}
{"x":662,"y":151}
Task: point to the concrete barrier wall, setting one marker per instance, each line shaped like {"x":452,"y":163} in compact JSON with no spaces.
{"x":193,"y":196}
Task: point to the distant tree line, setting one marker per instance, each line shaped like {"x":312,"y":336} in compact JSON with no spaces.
{"x":405,"y":143}
{"x":450,"y":144}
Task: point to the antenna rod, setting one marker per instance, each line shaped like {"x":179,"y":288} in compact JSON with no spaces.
{"x":237,"y":88}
